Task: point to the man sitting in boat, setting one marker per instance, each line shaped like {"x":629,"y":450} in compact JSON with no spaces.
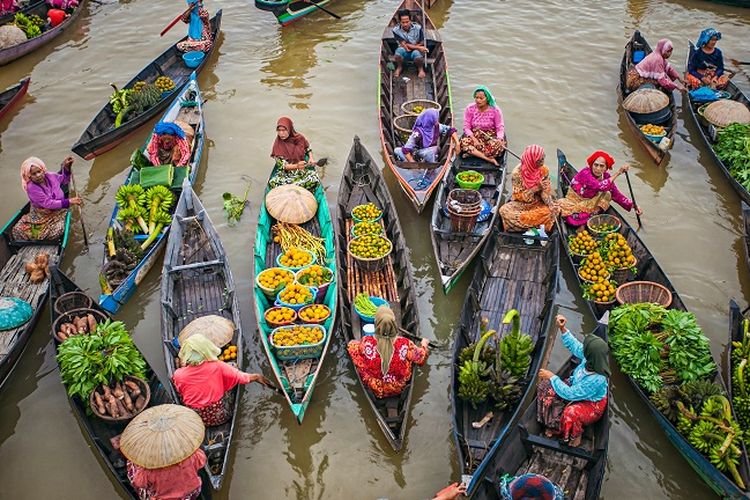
{"x":424,"y":141}
{"x":384,"y":360}
{"x":49,"y":206}
{"x":203,"y":380}
{"x":566,"y":407}
{"x":199,"y":29}
{"x":411,"y":43}
{"x":168,"y":145}
{"x":593,"y":189}
{"x":655,"y":69}
{"x":706,"y":65}
{"x":484,"y":130}
{"x":532,"y":204}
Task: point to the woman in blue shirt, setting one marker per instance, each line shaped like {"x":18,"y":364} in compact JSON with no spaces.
{"x":706,"y":65}
{"x":566,"y":407}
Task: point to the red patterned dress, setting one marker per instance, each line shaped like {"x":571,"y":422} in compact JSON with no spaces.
{"x":367,"y":360}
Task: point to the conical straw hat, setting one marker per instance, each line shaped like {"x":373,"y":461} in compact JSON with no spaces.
{"x":291,"y":203}
{"x":215,"y":328}
{"x":162,"y":435}
{"x":646,"y":101}
{"x":725,"y":112}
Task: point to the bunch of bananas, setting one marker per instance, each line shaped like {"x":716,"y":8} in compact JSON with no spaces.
{"x":505,"y":390}
{"x":515,"y":353}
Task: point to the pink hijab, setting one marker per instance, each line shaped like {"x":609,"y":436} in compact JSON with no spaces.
{"x":655,"y":65}
{"x":26,"y":170}
{"x":530,"y":173}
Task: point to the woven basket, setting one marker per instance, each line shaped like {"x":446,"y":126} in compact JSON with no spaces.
{"x":373,"y":264}
{"x":637,"y":292}
{"x":145,"y":391}
{"x":608,"y":276}
{"x":67,"y":317}
{"x":470,"y":203}
{"x":276,"y":325}
{"x":305,"y":351}
{"x":624,"y":274}
{"x":72,"y":300}
{"x":404,"y":124}
{"x":316,"y":321}
{"x":601,"y":219}
{"x":408,"y":106}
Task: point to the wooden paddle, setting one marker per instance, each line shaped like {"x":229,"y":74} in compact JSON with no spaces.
{"x":80,"y":209}
{"x":177,"y":19}
{"x":323,"y":9}
{"x":413,"y":337}
{"x":632,"y":197}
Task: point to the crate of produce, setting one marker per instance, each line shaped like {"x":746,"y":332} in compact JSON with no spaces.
{"x":298,"y":341}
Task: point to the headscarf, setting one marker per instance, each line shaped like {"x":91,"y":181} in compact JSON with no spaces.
{"x":596,"y":352}
{"x":655,"y":65}
{"x":428,"y":126}
{"x":603,"y":154}
{"x":195,"y":27}
{"x":26,"y":170}
{"x":530,"y":173}
{"x":197,"y":349}
{"x":169,"y":128}
{"x":386,"y":331}
{"x":487,"y":93}
{"x":706,"y":35}
{"x":294,"y":147}
{"x":181,"y":144}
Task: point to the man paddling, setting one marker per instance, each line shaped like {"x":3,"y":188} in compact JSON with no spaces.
{"x":412,"y":46}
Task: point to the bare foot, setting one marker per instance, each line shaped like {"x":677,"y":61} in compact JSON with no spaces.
{"x":575,"y":442}
{"x":397,"y":73}
{"x":421,"y":73}
{"x":549,"y":433}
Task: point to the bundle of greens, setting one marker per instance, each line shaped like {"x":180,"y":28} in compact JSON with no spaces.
{"x":733,"y":148}
{"x":233,"y":206}
{"x":741,"y":378}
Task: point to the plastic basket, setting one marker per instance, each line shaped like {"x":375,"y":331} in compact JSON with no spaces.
{"x":321,"y":288}
{"x":269,"y":292}
{"x":145,"y":392}
{"x":316,"y":321}
{"x":370,"y":264}
{"x":469,"y":185}
{"x":408,"y":106}
{"x":297,"y":307}
{"x":304,"y":351}
{"x":67,"y":317}
{"x":378,"y":301}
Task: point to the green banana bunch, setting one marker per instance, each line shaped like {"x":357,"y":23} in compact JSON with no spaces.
{"x":119,"y":98}
{"x":472,"y":386}
{"x":132,"y":196}
{"x":160,"y":220}
{"x":129,"y":217}
{"x":158,"y":199}
{"x":514,"y":350}
{"x":505,"y":390}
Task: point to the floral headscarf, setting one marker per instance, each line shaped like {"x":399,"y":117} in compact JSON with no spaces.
{"x":530,"y":172}
{"x":26,"y":170}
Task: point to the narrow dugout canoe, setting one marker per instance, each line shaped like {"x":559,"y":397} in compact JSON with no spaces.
{"x":288,"y":11}
{"x":10,"y":96}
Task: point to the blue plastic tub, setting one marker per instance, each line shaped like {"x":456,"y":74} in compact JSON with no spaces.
{"x":375,"y":300}
{"x":638,"y":56}
{"x":193,"y":59}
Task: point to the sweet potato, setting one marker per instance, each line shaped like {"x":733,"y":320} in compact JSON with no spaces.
{"x":91,"y":323}
{"x":140,"y":402}
{"x":37,"y":276}
{"x":42,"y":260}
{"x":80,"y":324}
{"x":68,"y":328}
{"x":99,"y":403}
{"x":118,"y":392}
{"x":62,"y":337}
{"x":112,"y":406}
{"x":135,"y":391}
{"x":29,"y":267}
{"x":107,"y":392}
{"x":121,"y":408}
{"x":127,"y":401}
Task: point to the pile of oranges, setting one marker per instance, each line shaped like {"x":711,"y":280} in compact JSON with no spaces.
{"x":275,"y":277}
{"x":619,"y":254}
{"x":297,"y":335}
{"x":314,"y":313}
{"x":315,"y":276}
{"x":603,"y":291}
{"x":593,"y":268}
{"x":295,"y":258}
{"x":582,"y":243}
{"x":366,"y":212}
{"x":229,"y":354}
{"x":296,"y":294}
{"x":280,"y":315}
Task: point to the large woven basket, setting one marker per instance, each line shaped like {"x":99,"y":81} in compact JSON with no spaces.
{"x":603,"y":219}
{"x":463,"y":217}
{"x":624,"y":274}
{"x":373,"y":264}
{"x":408,"y":106}
{"x":145,"y":392}
{"x":637,"y":292}
{"x":72,"y":300}
{"x":404,"y":124}
{"x":68,"y":316}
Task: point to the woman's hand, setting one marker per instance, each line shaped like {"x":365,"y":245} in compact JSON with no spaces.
{"x":67,"y":163}
{"x":638,"y":211}
{"x":75,"y":200}
{"x":545,"y":374}
{"x":257,"y":377}
{"x":475,"y":141}
{"x":424,"y":343}
{"x":560,"y":321}
{"x":451,"y":492}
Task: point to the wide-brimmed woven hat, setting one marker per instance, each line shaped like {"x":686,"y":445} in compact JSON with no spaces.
{"x":291,"y":203}
{"x":215,"y":328}
{"x":646,"y":101}
{"x":162,"y":435}
{"x":725,"y":112}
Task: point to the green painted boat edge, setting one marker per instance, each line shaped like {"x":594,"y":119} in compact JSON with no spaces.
{"x":331,"y":298}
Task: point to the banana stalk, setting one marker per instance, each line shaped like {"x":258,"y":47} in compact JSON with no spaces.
{"x":111,"y":242}
{"x":132,"y":196}
{"x":160,"y":220}
{"x":159,"y":199}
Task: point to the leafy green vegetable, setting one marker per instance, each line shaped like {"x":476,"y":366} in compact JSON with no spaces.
{"x":741,"y":378}
{"x":733,"y":148}
{"x":233,"y":206}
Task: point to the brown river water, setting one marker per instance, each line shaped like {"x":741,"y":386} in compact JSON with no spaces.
{"x":553,"y":67}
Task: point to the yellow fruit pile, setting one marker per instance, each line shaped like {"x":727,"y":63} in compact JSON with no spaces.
{"x":314,"y":313}
{"x":582,"y":243}
{"x":469,"y":176}
{"x":164,"y":83}
{"x":367,"y":227}
{"x":294,"y":257}
{"x":604,"y":291}
{"x":619,"y":254}
{"x":297,"y":335}
{"x":653,"y":129}
{"x":280,"y":315}
{"x":229,"y":353}
{"x":368,"y":212}
{"x":296,"y":294}
{"x":593,"y":268}
{"x":370,"y":247}
{"x":315,"y":276}
{"x":275,"y":277}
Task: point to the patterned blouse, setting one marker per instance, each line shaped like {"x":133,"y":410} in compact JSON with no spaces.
{"x":366,"y":359}
{"x":583,"y":385}
{"x":489,"y":120}
{"x":587,"y":186}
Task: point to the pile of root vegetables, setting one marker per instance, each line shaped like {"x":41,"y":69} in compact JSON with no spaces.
{"x":119,"y":400}
{"x":78,"y":325}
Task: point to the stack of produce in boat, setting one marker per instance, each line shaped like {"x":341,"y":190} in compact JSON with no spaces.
{"x":129,"y":103}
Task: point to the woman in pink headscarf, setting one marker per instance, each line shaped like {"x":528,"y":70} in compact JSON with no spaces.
{"x":532,"y":203}
{"x":656,"y":70}
{"x":49,"y":205}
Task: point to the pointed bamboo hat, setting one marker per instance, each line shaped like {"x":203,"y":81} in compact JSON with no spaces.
{"x":215,"y":328}
{"x":162,"y":435}
{"x":725,"y":112}
{"x":291,"y":203}
{"x":646,"y":101}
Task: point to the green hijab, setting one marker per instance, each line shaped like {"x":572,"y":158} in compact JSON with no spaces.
{"x":596,"y":352}
{"x":487,"y":93}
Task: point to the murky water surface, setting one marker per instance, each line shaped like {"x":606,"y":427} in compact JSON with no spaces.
{"x":553,"y":68}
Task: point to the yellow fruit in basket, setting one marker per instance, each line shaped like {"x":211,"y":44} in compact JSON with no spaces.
{"x":275,"y":277}
{"x":603,"y":291}
{"x":368,"y":212}
{"x":297,"y":335}
{"x":315,"y":275}
{"x":593,"y":268}
{"x":295,"y":293}
{"x":295,"y":257}
{"x":619,"y":253}
{"x":316,"y":312}
{"x":582,"y":243}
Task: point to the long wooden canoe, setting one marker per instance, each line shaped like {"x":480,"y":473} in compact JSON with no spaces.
{"x":40,"y":9}
{"x":363,"y":183}
{"x":296,"y":378}
{"x":418,"y":180}
{"x":98,"y":431}
{"x":746,"y":231}
{"x":196,"y":281}
{"x":100,"y":136}
{"x":509,"y":275}
{"x":115,"y":295}
{"x":578,"y":471}
{"x":649,"y":270}
{"x":14,"y":282}
{"x":708,"y":131}
{"x":638,"y":42}
{"x":736,"y":332}
{"x":288,"y":11}
{"x":10,"y":96}
{"x":455,"y":251}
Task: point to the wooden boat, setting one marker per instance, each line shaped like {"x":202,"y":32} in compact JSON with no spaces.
{"x":708,"y":131}
{"x":197,"y":281}
{"x":509,"y":275}
{"x":115,"y":295}
{"x":98,"y":431}
{"x":454,"y":251}
{"x":736,"y":332}
{"x":14,"y":282}
{"x":746,"y":233}
{"x":288,"y":11}
{"x":578,"y":471}
{"x":419,"y":179}
{"x":649,"y":270}
{"x":363,"y":183}
{"x":8,"y":18}
{"x":100,"y":136}
{"x":638,"y":42}
{"x":10,"y":96}
{"x":40,"y":9}
{"x":296,"y":378}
